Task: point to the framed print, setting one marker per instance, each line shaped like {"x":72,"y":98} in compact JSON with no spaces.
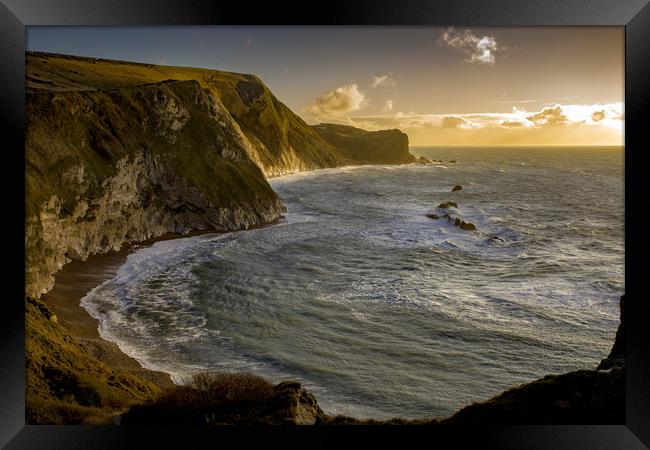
{"x":388,"y":220}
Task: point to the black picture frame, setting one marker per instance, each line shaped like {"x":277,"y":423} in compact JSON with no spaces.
{"x":634,"y":15}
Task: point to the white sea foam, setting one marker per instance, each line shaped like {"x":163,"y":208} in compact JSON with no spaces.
{"x":378,"y":309}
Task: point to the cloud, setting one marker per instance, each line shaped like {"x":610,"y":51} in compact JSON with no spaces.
{"x":341,"y":100}
{"x":383,"y":80}
{"x":388,"y":106}
{"x":549,"y":116}
{"x":551,"y":125}
{"x":511,"y":123}
{"x":478,"y":49}
{"x":451,"y":122}
{"x":597,"y":116}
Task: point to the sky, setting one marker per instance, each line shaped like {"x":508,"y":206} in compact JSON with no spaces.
{"x":451,"y":86}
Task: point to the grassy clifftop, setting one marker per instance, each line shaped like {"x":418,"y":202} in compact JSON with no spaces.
{"x":281,"y":142}
{"x":359,"y":146}
{"x":120,"y":152}
{"x":107,"y":167}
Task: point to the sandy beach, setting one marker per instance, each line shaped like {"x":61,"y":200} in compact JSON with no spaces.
{"x":74,"y":281}
{"x":77,"y":278}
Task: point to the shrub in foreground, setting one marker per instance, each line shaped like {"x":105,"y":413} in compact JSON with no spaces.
{"x":218,"y":398}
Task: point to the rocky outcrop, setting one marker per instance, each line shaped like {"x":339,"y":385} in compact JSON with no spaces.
{"x":217,"y":399}
{"x":456,"y":221}
{"x":279,"y":141}
{"x":456,"y":188}
{"x":358,"y":146}
{"x":580,"y":397}
{"x":110,"y":167}
{"x":616,"y":356}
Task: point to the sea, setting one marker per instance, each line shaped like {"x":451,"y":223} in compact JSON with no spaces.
{"x":379,"y":310}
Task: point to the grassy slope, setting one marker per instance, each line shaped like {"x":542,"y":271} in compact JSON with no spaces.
{"x":64,"y":384}
{"x":283,"y":141}
{"x":96,"y":128}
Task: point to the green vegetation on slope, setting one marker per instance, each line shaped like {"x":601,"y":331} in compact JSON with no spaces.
{"x":214,"y":399}
{"x":281,"y":141}
{"x":64,"y":384}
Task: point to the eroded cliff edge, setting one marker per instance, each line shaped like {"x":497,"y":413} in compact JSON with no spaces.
{"x":107,"y":167}
{"x":358,"y":146}
{"x":119,"y":153}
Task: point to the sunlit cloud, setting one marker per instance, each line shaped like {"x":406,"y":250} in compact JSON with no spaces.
{"x":548,"y":116}
{"x":341,"y":100}
{"x":388,"y":106}
{"x":597,"y":116}
{"x":479,"y":49}
{"x":550,"y":125}
{"x":383,"y":80}
{"x":451,"y":122}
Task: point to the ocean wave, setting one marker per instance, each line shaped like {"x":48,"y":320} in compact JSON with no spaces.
{"x":355,"y":290}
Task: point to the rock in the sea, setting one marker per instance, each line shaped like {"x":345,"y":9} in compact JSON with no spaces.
{"x":452,"y":161}
{"x":433,"y":216}
{"x":467,"y":226}
{"x":423,"y":160}
{"x":458,"y":187}
{"x":446,"y":205}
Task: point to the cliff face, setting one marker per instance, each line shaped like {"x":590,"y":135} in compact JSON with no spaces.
{"x":121,"y":152}
{"x":118,"y":153}
{"x":358,"y":146}
{"x":280,"y":141}
{"x":580,"y":397}
{"x":109,"y":167}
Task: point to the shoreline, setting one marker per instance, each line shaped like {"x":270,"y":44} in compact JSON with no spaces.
{"x":77,"y":278}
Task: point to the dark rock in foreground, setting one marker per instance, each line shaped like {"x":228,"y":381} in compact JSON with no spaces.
{"x":218,"y":399}
{"x":616,"y":357}
{"x":433,"y":216}
{"x":580,"y":397}
{"x":458,"y":187}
